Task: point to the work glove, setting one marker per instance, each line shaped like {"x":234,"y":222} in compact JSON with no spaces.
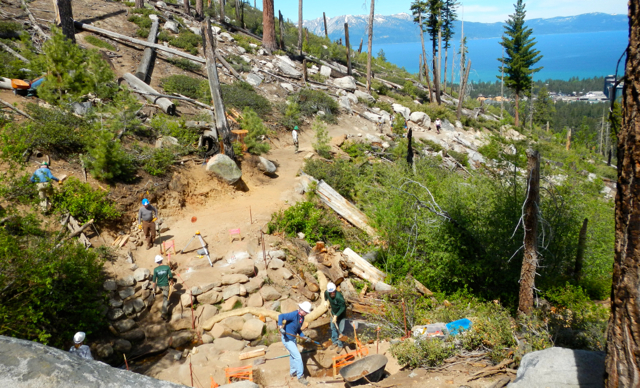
{"x":281,"y":329}
{"x":140,"y":226}
{"x":154,"y":219}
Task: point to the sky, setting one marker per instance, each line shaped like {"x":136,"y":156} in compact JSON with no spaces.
{"x":485,"y":11}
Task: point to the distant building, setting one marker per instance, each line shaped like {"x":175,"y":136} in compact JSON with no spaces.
{"x":609,"y":81}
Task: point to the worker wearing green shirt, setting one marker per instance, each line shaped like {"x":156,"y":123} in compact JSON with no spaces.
{"x":161,"y":277}
{"x":338,"y":311}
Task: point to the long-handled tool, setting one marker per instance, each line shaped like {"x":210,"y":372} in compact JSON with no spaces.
{"x":262,"y":360}
{"x":204,"y":247}
{"x":341,"y":337}
{"x":306,"y":339}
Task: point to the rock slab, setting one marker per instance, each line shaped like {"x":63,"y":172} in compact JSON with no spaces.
{"x":560,"y":367}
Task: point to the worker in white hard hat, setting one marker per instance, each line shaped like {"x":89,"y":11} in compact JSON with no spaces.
{"x":338,"y":308}
{"x":161,"y":277}
{"x":79,"y":348}
{"x":290,"y":326}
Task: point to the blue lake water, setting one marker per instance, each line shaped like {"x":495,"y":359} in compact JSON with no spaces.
{"x":582,"y":55}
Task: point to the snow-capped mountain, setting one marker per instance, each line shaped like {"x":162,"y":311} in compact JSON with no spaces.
{"x":400,"y":28}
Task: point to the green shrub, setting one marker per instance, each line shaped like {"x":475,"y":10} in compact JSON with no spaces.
{"x":164,"y":36}
{"x":99,"y":42}
{"x":167,"y":126}
{"x":107,"y":159}
{"x":187,"y":41}
{"x":83,"y":202}
{"x":158,"y":161}
{"x":492,"y":150}
{"x":8,"y":27}
{"x":461,"y":157}
{"x":251,"y":122}
{"x":318,"y":78}
{"x":311,"y":101}
{"x":48,"y":294}
{"x":290,"y":115}
{"x":385,"y":106}
{"x":354,"y":149}
{"x":427,"y":353}
{"x":316,"y":223}
{"x":432,"y":145}
{"x":321,"y":145}
{"x":241,"y":95}
{"x":398,"y":124}
{"x":184,"y":64}
{"x":140,"y":21}
{"x":341,"y":175}
{"x":183,"y":84}
{"x":143,"y":32}
{"x":72,"y":72}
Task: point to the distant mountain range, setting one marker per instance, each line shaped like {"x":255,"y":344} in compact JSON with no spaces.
{"x":400,"y":28}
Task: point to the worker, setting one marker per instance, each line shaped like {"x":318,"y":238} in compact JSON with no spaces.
{"x":42,"y":177}
{"x":78,"y":348}
{"x":290,"y":326}
{"x":438,"y":124}
{"x":294,"y":133}
{"x":161,"y":277}
{"x":148,"y":214}
{"x":338,"y":307}
{"x":380,"y":123}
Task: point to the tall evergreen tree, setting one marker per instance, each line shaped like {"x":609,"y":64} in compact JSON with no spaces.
{"x":543,"y":108}
{"x":433,"y":25}
{"x":520,"y":55}
{"x":449,"y":15}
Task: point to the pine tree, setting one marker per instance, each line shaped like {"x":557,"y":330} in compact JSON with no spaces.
{"x":520,"y":55}
{"x":449,"y":16}
{"x":434,"y":24}
{"x":543,"y":108}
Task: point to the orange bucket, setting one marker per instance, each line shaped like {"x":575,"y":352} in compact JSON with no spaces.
{"x":20,"y":84}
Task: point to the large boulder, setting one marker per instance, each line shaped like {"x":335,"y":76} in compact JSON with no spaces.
{"x":447,"y":126}
{"x":234,"y":278}
{"x":364,"y":96}
{"x":559,"y":367}
{"x":171,"y":26}
{"x":345,"y":103}
{"x":288,"y":69}
{"x":141,"y":274}
{"x":372,"y":117}
{"x":230,"y":291}
{"x":229,"y":344}
{"x":266,"y":165}
{"x":224,"y":168}
{"x":269,"y":293}
{"x":210,"y":297}
{"x":234,"y":323}
{"x":255,"y":300}
{"x":252,"y":329}
{"x":403,"y":110}
{"x":25,"y":364}
{"x":110,"y":285}
{"x":347,"y":83}
{"x":420,"y":118}
{"x":253,"y":79}
{"x":124,"y":325}
{"x":133,"y":335}
{"x":254,"y":284}
{"x":219,"y":331}
{"x":325,"y":71}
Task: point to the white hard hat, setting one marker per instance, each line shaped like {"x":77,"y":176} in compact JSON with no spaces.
{"x":79,"y":337}
{"x":331,"y":287}
{"x":159,"y":259}
{"x":305,"y":306}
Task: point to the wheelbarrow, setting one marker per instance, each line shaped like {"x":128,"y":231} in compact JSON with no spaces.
{"x":368,"y":370}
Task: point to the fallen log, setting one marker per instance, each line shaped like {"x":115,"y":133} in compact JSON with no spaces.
{"x":252,"y":354}
{"x":332,"y":273}
{"x":344,"y":208}
{"x":167,"y":106}
{"x":34,"y":22}
{"x":363,"y":268}
{"x":148,"y":56}
{"x":110,"y":34}
{"x":419,"y":286}
{"x":491,"y":370}
{"x":15,"y":109}
{"x":227,"y":65}
{"x":312,"y":283}
{"x":15,"y":54}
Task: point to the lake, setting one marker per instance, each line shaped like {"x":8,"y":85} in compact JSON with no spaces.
{"x":582,"y":55}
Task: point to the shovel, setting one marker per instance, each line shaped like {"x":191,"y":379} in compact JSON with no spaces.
{"x":341,"y":337}
{"x":262,"y":360}
{"x":306,"y":339}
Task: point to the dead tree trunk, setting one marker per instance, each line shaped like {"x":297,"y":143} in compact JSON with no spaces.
{"x":326,"y":33}
{"x":463,"y":86}
{"x":346,"y":39}
{"x":186,"y":7}
{"x":568,"y":146}
{"x":237,"y":7}
{"x":64,"y":18}
{"x":139,"y":4}
{"x":148,"y":57}
{"x":151,"y":94}
{"x":370,"y":46}
{"x":199,"y":10}
{"x":222,"y":10}
{"x":428,"y":79}
{"x":360,"y":47}
{"x":222,"y":126}
{"x":300,"y":27}
{"x":424,"y":56}
{"x":304,"y":70}
{"x":281,"y":24}
{"x":582,"y":242}
{"x":530,"y":222}
{"x":622,"y":367}
{"x":269,"y":26}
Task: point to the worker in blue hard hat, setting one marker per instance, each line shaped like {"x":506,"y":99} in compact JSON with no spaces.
{"x":147,"y":216}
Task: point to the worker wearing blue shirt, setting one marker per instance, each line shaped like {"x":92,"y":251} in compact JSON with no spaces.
{"x":290,"y":326}
{"x":42,"y":177}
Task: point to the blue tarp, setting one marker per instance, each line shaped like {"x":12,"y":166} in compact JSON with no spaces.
{"x":458,"y":326}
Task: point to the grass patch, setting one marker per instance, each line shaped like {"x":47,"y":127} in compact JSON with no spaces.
{"x":187,"y":41}
{"x":184,"y":64}
{"x":99,"y":43}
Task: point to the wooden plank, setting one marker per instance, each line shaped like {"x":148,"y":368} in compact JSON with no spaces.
{"x":252,"y":354}
{"x":124,"y":241}
{"x":344,"y":208}
{"x":363,"y":268}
